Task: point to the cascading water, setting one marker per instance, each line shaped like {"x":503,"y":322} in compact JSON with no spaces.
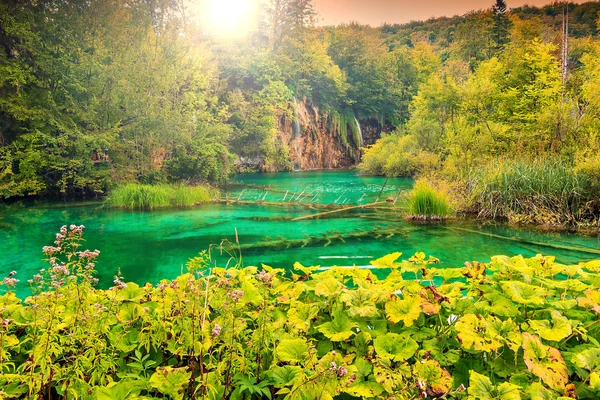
{"x":295,"y":121}
{"x":362,"y":141}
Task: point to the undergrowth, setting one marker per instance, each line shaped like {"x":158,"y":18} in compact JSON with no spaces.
{"x":513,"y":328}
{"x":149,"y":197}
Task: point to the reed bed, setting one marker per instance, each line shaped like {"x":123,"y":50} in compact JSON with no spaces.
{"x":135,"y":196}
{"x":540,"y":191}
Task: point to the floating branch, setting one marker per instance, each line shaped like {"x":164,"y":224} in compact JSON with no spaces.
{"x":381,"y":191}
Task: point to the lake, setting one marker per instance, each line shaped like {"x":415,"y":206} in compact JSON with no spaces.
{"x":150,"y":246}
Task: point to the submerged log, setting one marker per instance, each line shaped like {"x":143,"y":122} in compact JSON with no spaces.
{"x":324,"y":239}
{"x":529,"y":242}
{"x":337,"y":211}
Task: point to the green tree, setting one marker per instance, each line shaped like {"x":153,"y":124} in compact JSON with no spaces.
{"x":432,"y":110}
{"x":502,"y":25}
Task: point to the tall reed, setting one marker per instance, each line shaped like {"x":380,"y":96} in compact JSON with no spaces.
{"x":135,"y":196}
{"x":531,"y":190}
{"x":426,"y":202}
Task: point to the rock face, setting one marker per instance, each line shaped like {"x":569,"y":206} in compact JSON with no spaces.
{"x":372,"y":131}
{"x":313,"y":143}
{"x":316,"y":145}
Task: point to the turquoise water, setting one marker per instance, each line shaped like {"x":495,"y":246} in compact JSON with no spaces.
{"x":150,"y":246}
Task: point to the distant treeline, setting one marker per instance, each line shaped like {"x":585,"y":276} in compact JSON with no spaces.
{"x":98,"y":92}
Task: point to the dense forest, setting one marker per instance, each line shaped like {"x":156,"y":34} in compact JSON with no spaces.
{"x":507,"y":123}
{"x":97,"y":92}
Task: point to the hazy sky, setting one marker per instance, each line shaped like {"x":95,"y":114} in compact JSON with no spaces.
{"x":376,"y":12}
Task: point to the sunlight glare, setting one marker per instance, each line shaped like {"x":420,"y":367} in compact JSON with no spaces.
{"x":230,"y":18}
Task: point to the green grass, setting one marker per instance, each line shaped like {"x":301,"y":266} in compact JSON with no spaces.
{"x":536,"y":190}
{"x":424,"y":201}
{"x":135,"y":196}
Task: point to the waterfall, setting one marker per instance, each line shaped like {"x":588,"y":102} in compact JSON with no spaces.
{"x":295,"y":122}
{"x":362,"y":141}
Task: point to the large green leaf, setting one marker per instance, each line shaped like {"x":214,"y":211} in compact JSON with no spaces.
{"x":338,"y":329}
{"x":587,"y":359}
{"x":292,"y":350}
{"x":131,"y":292}
{"x":435,"y":380}
{"x":307,"y":271}
{"x":329,"y":287}
{"x":524,"y":293}
{"x":481,"y":388}
{"x":556,"y":329}
{"x":387,"y":261}
{"x":361,"y":303}
{"x":537,"y":391}
{"x":545,"y":362}
{"x":501,"y":306}
{"x":447,"y":273}
{"x":364,"y":389}
{"x":395,"y":347}
{"x":506,"y":331}
{"x":406,"y":310}
{"x":474,"y":335}
{"x":251,"y":293}
{"x":121,"y":390}
{"x":170,"y":381}
{"x":514,"y":266}
{"x":284,"y":376}
{"x":391,"y":379}
{"x":300,"y":315}
{"x":591,"y":300}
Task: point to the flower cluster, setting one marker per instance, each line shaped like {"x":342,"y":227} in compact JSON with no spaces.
{"x":339,"y":370}
{"x":333,"y":366}
{"x":89,"y":255}
{"x":75,"y":229}
{"x":50,"y":250}
{"x":36,"y":280}
{"x":64,"y":266}
{"x":119,"y":284}
{"x":236,"y":295}
{"x":9,"y":281}
{"x":263,"y":276}
{"x":216,"y":330}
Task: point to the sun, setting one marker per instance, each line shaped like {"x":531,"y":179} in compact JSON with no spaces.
{"x":230,"y":18}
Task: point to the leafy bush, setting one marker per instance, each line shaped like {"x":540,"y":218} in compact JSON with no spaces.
{"x":509,"y":329}
{"x":539,"y":191}
{"x":149,"y":197}
{"x":397,"y":155}
{"x":200,"y":160}
{"x":425,"y":201}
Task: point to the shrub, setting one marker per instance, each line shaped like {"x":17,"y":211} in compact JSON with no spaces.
{"x":149,"y":197}
{"x":512,"y":328}
{"x":397,"y":155}
{"x":427,"y":202}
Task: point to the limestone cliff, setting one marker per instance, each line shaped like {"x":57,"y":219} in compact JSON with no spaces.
{"x":312,"y":139}
{"x":315,"y":143}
